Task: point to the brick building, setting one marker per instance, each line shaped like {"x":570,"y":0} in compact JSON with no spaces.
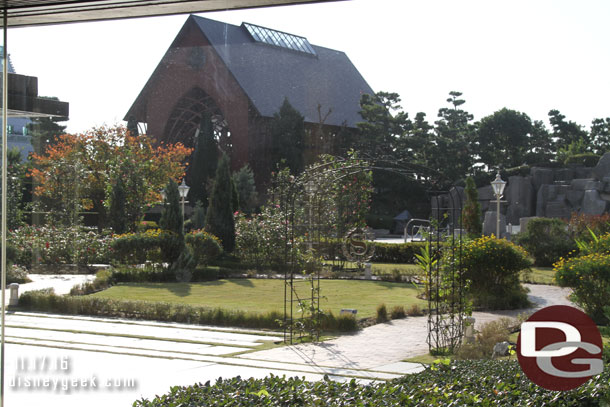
{"x":242,"y":75}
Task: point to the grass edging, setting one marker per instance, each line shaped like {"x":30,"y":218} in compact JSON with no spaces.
{"x":44,"y":300}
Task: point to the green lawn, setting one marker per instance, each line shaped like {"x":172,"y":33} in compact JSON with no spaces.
{"x":540,"y":275}
{"x":263,"y":295}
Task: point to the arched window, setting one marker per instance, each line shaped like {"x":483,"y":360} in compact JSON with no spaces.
{"x":186,"y":116}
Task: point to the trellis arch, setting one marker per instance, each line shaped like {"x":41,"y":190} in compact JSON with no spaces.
{"x":445,"y":283}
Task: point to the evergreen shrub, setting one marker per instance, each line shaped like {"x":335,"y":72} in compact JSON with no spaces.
{"x":204,"y":245}
{"x":492,"y":267}
{"x":460,"y":383}
{"x":547,"y":240}
{"x":137,"y":248}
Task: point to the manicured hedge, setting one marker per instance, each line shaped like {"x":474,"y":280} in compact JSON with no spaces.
{"x":159,"y":275}
{"x":47,"y":301}
{"x":397,"y":252}
{"x":484,"y":383}
{"x":44,"y":300}
{"x":384,"y":252}
{"x":137,"y":248}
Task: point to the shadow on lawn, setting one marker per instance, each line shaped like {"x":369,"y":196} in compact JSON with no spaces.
{"x":180,"y":289}
{"x":243,"y":282}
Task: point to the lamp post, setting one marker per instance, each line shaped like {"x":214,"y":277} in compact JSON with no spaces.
{"x":498,"y":187}
{"x":183,"y":190}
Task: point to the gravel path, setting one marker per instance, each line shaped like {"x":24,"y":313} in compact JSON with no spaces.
{"x":386,"y":344}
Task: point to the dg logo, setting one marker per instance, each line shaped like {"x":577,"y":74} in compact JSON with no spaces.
{"x":560,"y":348}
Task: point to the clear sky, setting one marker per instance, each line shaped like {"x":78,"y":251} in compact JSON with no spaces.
{"x":526,"y":55}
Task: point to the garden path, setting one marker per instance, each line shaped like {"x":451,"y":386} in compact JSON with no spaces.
{"x":383,"y":346}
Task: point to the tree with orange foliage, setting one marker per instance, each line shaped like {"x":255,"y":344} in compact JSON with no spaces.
{"x":77,"y":173}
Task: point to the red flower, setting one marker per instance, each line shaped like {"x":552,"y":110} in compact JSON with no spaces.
{"x":47,"y":245}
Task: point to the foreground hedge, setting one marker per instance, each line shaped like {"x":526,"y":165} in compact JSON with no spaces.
{"x":484,"y":383}
{"x":47,"y":301}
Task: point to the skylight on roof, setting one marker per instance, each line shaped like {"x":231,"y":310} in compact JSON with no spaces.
{"x":279,"y":39}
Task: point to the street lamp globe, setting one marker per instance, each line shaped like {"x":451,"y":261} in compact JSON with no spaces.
{"x":183,"y":189}
{"x":498,"y":185}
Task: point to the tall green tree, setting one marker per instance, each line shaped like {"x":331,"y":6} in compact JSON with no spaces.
{"x":471,"y":213}
{"x":198,"y":216}
{"x":288,"y":138}
{"x":203,"y":162}
{"x":172,"y":243}
{"x":383,"y":131}
{"x":454,"y":134}
{"x":171,"y":216}
{"x":118,"y":205}
{"x":420,"y":140}
{"x":566,"y":132}
{"x":246,"y":188}
{"x":45,"y":131}
{"x":542,"y":148}
{"x":600,"y":135}
{"x":219,"y":219}
{"x":503,"y":139}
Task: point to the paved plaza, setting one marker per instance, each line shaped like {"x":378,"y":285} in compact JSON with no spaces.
{"x":74,"y":360}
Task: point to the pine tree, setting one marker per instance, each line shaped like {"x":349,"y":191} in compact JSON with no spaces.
{"x":198,"y":216}
{"x":234,"y":196}
{"x":171,"y":222}
{"x":118,"y":218}
{"x":471,"y":213}
{"x":246,"y":188}
{"x":288,"y":138}
{"x":219,"y":220}
{"x":204,"y":161}
{"x":171,"y":216}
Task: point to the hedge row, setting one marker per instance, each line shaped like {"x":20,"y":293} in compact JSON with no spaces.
{"x":485,"y":383}
{"x":48,"y":301}
{"x":397,"y":252}
{"x":384,"y":252}
{"x":159,"y":275}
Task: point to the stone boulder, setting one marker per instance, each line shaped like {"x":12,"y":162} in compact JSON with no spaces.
{"x":541,"y":176}
{"x":593,"y":204}
{"x":501,"y":349}
{"x":580,"y":184}
{"x":520,"y":197}
{"x":547,"y":194}
{"x":574,"y":198}
{"x":583,"y":172}
{"x":602,"y":169}
{"x":524,"y":221}
{"x":486,"y":194}
{"x":564,"y":174}
{"x":490,"y":224}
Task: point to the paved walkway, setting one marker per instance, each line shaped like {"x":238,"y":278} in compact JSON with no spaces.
{"x":383,"y":346}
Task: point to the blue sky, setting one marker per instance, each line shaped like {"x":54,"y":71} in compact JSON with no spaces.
{"x":531,"y":56}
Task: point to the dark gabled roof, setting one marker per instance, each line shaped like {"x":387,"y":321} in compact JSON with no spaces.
{"x":269,"y":74}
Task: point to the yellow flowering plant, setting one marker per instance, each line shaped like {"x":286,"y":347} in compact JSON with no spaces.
{"x":492,"y":266}
{"x":589,"y":277}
